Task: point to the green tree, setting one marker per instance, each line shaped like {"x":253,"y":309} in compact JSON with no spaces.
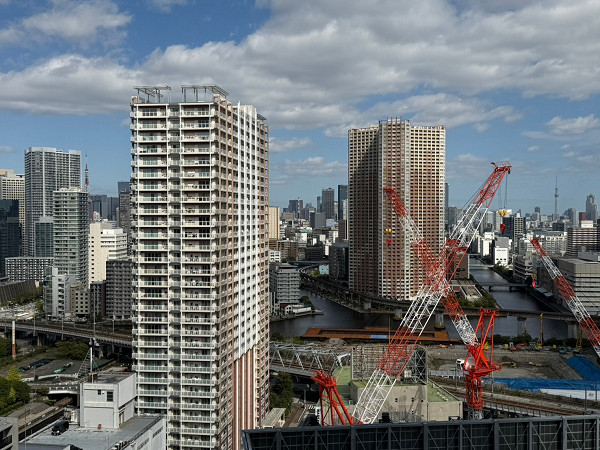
{"x":72,"y":350}
{"x":13,"y":375}
{"x":282,"y":392}
{"x":39,"y":307}
{"x":5,"y":347}
{"x":12,"y":396}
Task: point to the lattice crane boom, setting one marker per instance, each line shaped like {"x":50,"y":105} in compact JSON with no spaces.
{"x":586,"y":322}
{"x":401,"y":346}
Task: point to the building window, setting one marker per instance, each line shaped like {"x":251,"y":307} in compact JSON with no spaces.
{"x":109,"y":396}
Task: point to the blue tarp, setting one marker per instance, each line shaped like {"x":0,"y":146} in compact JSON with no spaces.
{"x":535,"y":384}
{"x":588,"y":371}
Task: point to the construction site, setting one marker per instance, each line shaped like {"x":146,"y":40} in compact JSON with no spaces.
{"x":470,"y":395}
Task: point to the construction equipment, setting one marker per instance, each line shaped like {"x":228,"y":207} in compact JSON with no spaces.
{"x":337,"y":410}
{"x":478,"y":365}
{"x":434,"y":288}
{"x":577,"y":349}
{"x":584,"y":319}
{"x":540,"y":343}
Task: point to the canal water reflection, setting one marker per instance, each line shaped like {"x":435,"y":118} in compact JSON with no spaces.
{"x":337,"y":316}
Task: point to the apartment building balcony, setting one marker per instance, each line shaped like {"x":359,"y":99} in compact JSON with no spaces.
{"x":196,"y":113}
{"x":148,"y":368}
{"x":145,"y":332}
{"x":195,"y":126}
{"x":197,"y":235}
{"x":152,"y":392}
{"x":160,"y":405}
{"x":150,"y":380}
{"x":200,"y":406}
{"x":197,"y":381}
{"x":150,"y":138}
{"x":146,"y":355}
{"x":208,"y":358}
{"x":150,"y":187}
{"x":154,"y":259}
{"x":196,"y":308}
{"x":154,"y":343}
{"x":145,"y":150}
{"x":205,"y":333}
{"x":145,"y":199}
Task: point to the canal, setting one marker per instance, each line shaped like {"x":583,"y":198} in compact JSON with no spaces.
{"x":337,"y":316}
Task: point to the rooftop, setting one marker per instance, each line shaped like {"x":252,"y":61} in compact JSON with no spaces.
{"x":90,"y":437}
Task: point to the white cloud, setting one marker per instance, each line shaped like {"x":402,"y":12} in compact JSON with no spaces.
{"x":6,"y":149}
{"x":577,"y":125}
{"x":69,"y":84}
{"x":481,"y":127}
{"x":434,"y":109}
{"x":73,"y":21}
{"x":316,"y":64}
{"x":282,"y":146}
{"x":533,"y":149}
{"x":314,"y":166}
{"x":166,"y":5}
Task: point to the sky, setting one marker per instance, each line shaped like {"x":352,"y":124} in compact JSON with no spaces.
{"x":515,"y":80}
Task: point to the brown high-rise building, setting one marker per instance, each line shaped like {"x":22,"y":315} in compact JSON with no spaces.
{"x":411,"y":159}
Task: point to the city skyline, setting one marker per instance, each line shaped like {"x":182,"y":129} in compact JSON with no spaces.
{"x":513,"y":91}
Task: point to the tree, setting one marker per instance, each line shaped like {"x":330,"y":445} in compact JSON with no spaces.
{"x":39,"y":307}
{"x":282,"y":392}
{"x":12,"y":396}
{"x":13,"y":375}
{"x":72,"y":350}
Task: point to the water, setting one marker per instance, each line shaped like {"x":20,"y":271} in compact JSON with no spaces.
{"x":337,"y":316}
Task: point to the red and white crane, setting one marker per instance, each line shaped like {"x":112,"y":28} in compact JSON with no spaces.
{"x":477,"y":364}
{"x":435,"y":288}
{"x":586,"y":322}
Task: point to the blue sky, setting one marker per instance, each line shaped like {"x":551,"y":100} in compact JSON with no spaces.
{"x":514,"y":80}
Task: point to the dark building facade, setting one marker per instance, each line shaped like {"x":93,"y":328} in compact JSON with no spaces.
{"x":10,"y":232}
{"x":119,"y":278}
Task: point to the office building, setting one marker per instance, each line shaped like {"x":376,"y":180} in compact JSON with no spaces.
{"x":274,"y":222}
{"x":124,"y":211}
{"x":12,"y":187}
{"x":573,"y":217}
{"x":514,"y":228}
{"x":317,"y":220}
{"x":199,"y":223}
{"x":57,"y":294}
{"x":328,"y":196}
{"x":342,"y":201}
{"x":46,"y":170}
{"x":71,"y":233}
{"x":10,"y":231}
{"x":97,"y":303}
{"x":410,"y":159}
{"x":24,"y":268}
{"x":591,"y":208}
{"x":338,"y":261}
{"x":105,"y":242}
{"x":44,"y":237}
{"x":584,"y":237}
{"x":119,"y":278}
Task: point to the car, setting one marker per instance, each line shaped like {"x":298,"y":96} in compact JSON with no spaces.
{"x":60,"y":427}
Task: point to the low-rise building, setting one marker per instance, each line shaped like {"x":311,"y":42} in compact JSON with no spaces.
{"x":284,"y":280}
{"x":23,"y":268}
{"x":106,"y":420}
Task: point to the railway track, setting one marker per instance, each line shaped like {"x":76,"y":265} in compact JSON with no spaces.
{"x":531,"y":404}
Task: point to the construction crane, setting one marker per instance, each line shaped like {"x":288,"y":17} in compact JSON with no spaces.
{"x":565,"y":290}
{"x":435,"y":287}
{"x":337,"y":409}
{"x":476,"y":365}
